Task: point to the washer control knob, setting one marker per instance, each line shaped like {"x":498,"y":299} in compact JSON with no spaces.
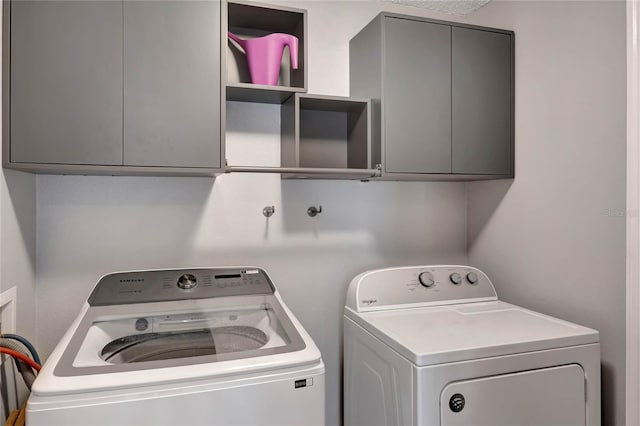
{"x":472,"y":277}
{"x":187,"y":281}
{"x":455,"y":278}
{"x":426,"y":279}
{"x":142,"y":324}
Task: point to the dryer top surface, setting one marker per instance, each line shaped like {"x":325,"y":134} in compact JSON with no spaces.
{"x":459,"y":332}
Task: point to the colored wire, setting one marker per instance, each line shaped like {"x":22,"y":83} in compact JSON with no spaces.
{"x":15,"y":345}
{"x":31,"y":363}
{"x":25,"y":342}
{"x":27,"y":373}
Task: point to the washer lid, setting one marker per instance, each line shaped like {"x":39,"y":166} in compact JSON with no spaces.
{"x":160,"y":328}
{"x":444,"y":334}
{"x":147,"y":336}
{"x":164,"y":337}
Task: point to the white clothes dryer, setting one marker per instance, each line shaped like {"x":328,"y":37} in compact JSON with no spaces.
{"x":433,"y":345}
{"x":184,"y":347}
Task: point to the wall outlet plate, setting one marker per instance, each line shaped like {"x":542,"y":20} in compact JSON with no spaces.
{"x":8,"y":312}
{"x":8,"y":385}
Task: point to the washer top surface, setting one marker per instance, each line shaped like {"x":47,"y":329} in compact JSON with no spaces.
{"x":460,"y":321}
{"x":146,"y":327}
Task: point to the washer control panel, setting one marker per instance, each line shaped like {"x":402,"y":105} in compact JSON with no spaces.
{"x":415,"y":286}
{"x":179,"y":284}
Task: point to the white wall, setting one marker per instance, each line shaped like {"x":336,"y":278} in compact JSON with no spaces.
{"x":545,"y":238}
{"x":554,"y":239}
{"x":17,"y":264}
{"x":17,"y":270}
{"x":89,"y":226}
{"x":18,"y":244}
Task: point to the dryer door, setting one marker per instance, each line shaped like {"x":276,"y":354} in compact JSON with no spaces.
{"x":550,"y":396}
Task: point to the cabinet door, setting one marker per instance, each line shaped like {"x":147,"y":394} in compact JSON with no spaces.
{"x":66,"y":82}
{"x":417,"y":96}
{"x":482,"y":96}
{"x":172,"y":83}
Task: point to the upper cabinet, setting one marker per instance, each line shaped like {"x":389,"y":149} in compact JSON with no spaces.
{"x":66,"y":82}
{"x":139,"y":87}
{"x":481,"y":102}
{"x":326,"y":134}
{"x":416,"y":93}
{"x":113,"y":87}
{"x":322,"y":137}
{"x":172,"y":83}
{"x":442,"y":97}
{"x":248,"y":20}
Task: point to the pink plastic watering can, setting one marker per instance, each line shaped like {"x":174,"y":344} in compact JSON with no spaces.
{"x":264,"y":55}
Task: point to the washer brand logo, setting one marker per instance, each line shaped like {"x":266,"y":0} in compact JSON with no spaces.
{"x":369,"y":301}
{"x":135,"y":280}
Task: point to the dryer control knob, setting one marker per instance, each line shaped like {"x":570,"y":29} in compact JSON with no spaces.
{"x":426,"y":279}
{"x":187,"y":281}
{"x":455,"y":278}
{"x":456,"y":403}
{"x":472,"y":277}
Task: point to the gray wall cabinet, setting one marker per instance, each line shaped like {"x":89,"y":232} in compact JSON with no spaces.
{"x":326,"y":132}
{"x":482,"y":131}
{"x":113,"y":87}
{"x":66,"y":82}
{"x":248,"y":19}
{"x":442,"y":97}
{"x":172,"y":83}
{"x":417,"y":66}
{"x":322,"y":137}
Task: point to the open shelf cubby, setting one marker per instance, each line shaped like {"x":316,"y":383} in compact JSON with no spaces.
{"x":250,"y":20}
{"x":326,"y":132}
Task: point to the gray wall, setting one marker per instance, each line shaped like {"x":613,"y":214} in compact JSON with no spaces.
{"x":554,"y":238}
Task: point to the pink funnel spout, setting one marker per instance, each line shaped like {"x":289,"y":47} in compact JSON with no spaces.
{"x":237,"y":39}
{"x":264,"y":55}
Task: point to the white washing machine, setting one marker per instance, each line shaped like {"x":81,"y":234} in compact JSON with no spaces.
{"x":184,"y":347}
{"x":433,"y":345}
